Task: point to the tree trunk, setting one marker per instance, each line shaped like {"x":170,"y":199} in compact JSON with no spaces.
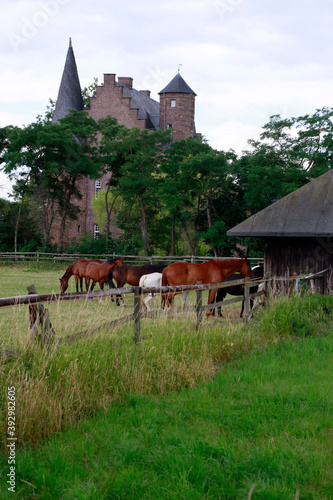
{"x":17,"y":225}
{"x":173,"y":241}
{"x":209,"y":219}
{"x":192,"y":246}
{"x":145,"y":235}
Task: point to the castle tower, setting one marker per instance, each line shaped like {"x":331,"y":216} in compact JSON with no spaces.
{"x":177,"y":103}
{"x":69,"y":95}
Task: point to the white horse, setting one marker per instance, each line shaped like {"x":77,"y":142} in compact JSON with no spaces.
{"x":150,"y":280}
{"x":155,"y":280}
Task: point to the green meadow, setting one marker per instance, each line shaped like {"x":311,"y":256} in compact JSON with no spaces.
{"x":228,"y":411}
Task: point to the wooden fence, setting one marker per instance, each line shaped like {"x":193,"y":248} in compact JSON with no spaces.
{"x":40,"y":257}
{"x":43,"y":331}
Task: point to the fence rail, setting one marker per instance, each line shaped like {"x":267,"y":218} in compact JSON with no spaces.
{"x":39,"y":316}
{"x":41,"y":257}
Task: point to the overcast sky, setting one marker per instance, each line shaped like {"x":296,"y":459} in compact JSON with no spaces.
{"x":245,"y":59}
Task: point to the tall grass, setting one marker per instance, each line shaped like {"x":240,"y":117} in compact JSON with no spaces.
{"x":57,"y":388}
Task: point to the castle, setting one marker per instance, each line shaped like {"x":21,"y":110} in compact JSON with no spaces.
{"x":132,"y":108}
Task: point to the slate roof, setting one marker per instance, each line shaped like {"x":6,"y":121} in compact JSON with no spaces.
{"x":69,"y":96}
{"x":177,"y":86}
{"x":308,"y":211}
{"x":148,"y":108}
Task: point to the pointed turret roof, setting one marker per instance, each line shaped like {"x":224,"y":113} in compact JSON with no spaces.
{"x":177,"y":86}
{"x":70,"y":95}
{"x":308,"y":211}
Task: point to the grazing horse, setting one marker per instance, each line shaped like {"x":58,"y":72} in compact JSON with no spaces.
{"x":237,"y":290}
{"x":150,"y":280}
{"x":131,"y":274}
{"x":98,"y":272}
{"x":209,"y":272}
{"x":78,"y":270}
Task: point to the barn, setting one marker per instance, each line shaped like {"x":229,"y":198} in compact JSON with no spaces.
{"x":298,"y":232}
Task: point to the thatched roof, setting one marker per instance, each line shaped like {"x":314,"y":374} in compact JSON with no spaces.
{"x":308,"y":211}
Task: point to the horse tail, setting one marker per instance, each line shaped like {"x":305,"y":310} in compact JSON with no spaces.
{"x":164,"y":278}
{"x":110,"y":279}
{"x":142,"y":280}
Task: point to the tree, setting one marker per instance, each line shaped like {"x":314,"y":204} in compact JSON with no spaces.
{"x":52,"y":157}
{"x":112,"y":158}
{"x":140,"y":175}
{"x":181,"y":188}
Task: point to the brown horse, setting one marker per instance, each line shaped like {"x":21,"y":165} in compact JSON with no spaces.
{"x":131,"y":275}
{"x":209,"y":272}
{"x":98,"y":272}
{"x":78,"y":270}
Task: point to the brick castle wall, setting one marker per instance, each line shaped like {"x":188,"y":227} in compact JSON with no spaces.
{"x":180,"y":116}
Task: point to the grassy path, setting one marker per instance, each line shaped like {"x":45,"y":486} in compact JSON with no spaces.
{"x":261,"y":428}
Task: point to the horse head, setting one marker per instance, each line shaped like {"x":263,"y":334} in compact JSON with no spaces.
{"x":63,"y":285}
{"x":245,"y":268}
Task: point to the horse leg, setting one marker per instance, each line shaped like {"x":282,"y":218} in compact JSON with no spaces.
{"x":77,"y":283}
{"x":81,"y":284}
{"x":211,"y":298}
{"x":118,"y":297}
{"x":241,"y":314}
{"x":146,"y":301}
{"x":220,"y":296}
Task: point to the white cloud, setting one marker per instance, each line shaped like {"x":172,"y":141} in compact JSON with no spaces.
{"x":246,"y":60}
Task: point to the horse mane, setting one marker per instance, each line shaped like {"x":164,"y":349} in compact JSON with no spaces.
{"x":68,"y":268}
{"x":112,"y":261}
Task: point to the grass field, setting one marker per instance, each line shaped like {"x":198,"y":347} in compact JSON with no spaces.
{"x":224,"y":412}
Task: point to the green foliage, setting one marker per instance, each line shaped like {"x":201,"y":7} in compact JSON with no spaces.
{"x":176,"y":197}
{"x":51,"y":157}
{"x":218,"y":413}
{"x":29,"y":238}
{"x":87,"y":244}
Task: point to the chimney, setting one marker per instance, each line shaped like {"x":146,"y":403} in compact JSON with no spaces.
{"x":109,"y":79}
{"x":126,"y":80}
{"x":145,"y":92}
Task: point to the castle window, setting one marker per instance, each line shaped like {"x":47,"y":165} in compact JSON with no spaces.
{"x":96,"y":232}
{"x":173,"y":103}
{"x":98,"y":186}
{"x":169,"y":125}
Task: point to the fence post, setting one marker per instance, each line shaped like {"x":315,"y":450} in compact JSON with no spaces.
{"x":137,"y":312}
{"x":267,"y":288}
{"x":247,"y":299}
{"x":198,"y":307}
{"x":40,"y":316}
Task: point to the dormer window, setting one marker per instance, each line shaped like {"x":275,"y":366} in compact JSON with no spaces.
{"x":173,"y":103}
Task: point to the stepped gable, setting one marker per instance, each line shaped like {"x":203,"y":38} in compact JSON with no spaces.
{"x":131,"y":107}
{"x":177,"y":86}
{"x":148,"y":108}
{"x":306,"y":212}
{"x":70,"y":95}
